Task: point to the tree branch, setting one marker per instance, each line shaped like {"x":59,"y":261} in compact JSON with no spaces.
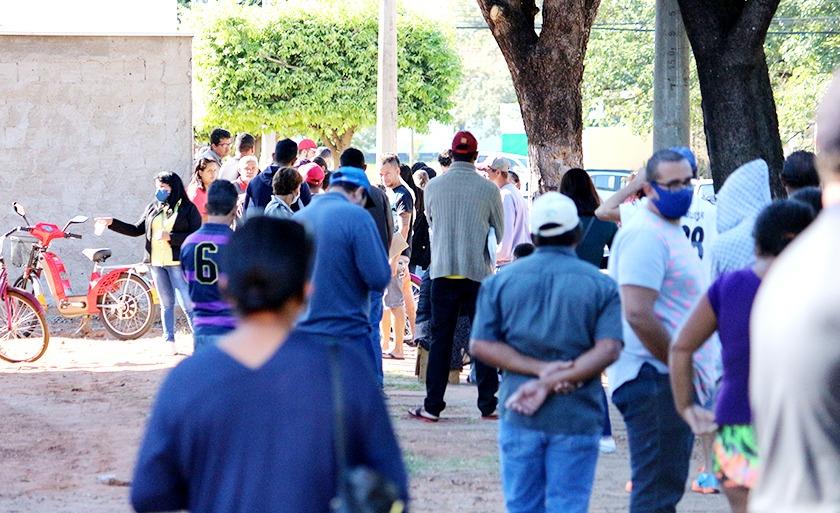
{"x":751,"y":29}
{"x":512,"y":24}
{"x":281,"y":63}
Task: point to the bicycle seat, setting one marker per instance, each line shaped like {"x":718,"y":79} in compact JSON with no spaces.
{"x":97,"y":255}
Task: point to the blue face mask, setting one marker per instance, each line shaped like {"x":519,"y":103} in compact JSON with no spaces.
{"x":673,"y":204}
{"x":161,"y":195}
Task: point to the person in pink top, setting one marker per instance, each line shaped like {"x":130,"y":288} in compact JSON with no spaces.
{"x":203,"y":175}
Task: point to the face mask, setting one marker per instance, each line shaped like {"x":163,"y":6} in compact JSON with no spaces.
{"x":161,"y":195}
{"x":673,"y":205}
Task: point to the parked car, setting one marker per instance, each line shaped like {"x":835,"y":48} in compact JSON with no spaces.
{"x":608,"y":181}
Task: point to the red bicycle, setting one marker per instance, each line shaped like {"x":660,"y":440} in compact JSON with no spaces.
{"x":118,"y":294}
{"x":23,"y":329}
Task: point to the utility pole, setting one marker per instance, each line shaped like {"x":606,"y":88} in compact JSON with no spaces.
{"x":671,"y":119}
{"x":386,"y":83}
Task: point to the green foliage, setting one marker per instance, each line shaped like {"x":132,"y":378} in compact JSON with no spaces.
{"x":618,"y":81}
{"x":313,"y":71}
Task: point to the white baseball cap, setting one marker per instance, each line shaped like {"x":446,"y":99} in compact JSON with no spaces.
{"x":553,"y":214}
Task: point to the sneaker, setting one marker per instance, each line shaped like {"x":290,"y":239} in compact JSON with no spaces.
{"x":421,"y":414}
{"x":492,"y":416}
{"x":607,"y":445}
{"x":169,"y":348}
{"x":706,"y":484}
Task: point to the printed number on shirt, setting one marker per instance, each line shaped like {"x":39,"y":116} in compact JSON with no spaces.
{"x":206,"y":270}
{"x":696,"y":238}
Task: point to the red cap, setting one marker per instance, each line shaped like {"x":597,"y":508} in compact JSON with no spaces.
{"x":464,"y":143}
{"x":312,"y":173}
{"x":307,"y":144}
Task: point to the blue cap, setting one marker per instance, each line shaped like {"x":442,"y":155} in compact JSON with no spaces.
{"x":689,"y":156}
{"x":351,"y":175}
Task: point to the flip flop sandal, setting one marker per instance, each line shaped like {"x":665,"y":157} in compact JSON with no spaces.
{"x":421,"y":414}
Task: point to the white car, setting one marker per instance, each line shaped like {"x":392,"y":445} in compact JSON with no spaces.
{"x":608,"y":181}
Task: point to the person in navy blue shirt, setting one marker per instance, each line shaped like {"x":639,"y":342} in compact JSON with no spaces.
{"x":350,"y":262}
{"x":258,"y":193}
{"x":200,"y":261}
{"x":248,"y":426}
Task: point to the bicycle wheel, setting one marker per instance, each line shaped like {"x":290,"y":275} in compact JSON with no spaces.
{"x":127,"y":310}
{"x":23,"y":330}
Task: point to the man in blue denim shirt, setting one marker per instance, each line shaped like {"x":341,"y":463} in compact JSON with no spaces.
{"x":553,"y":317}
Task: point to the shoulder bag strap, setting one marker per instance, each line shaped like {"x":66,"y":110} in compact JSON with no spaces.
{"x":586,"y":231}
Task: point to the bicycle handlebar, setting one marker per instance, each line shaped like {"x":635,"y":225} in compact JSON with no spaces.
{"x":72,"y":236}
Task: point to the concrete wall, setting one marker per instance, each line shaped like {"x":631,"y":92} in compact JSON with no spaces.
{"x":86,"y":121}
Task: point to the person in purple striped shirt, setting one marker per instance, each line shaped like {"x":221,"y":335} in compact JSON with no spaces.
{"x":200,"y":257}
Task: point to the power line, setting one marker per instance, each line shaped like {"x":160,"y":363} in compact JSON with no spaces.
{"x":611,"y":28}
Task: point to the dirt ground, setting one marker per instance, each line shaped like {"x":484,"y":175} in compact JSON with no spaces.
{"x":78,"y":414}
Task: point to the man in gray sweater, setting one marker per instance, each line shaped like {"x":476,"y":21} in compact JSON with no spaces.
{"x":461,"y":207}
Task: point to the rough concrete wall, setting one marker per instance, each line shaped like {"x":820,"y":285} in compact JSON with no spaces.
{"x":85,"y":124}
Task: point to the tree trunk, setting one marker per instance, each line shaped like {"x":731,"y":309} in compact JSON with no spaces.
{"x":337,"y":142}
{"x":547,"y":71}
{"x":551,"y":110}
{"x":739,"y":117}
{"x":739,"y":111}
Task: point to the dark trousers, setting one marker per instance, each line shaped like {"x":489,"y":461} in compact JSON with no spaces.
{"x":451,"y":298}
{"x":660,"y":442}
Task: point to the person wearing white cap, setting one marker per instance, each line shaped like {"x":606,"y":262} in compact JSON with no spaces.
{"x":552,"y":322}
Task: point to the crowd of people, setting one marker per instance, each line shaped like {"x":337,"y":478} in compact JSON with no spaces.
{"x":282,"y":270}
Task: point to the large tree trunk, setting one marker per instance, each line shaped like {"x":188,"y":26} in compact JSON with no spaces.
{"x":547,"y":71}
{"x":739,"y":111}
{"x":550,"y":102}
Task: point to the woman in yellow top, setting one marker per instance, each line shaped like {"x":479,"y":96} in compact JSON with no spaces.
{"x":166,"y":222}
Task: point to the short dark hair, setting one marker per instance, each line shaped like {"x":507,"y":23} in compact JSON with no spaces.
{"x":652,"y":167}
{"x":523,"y":250}
{"x":569,"y":238}
{"x":352,"y":157}
{"x":800,"y":170}
{"x":444,"y":158}
{"x":267,"y":263}
{"x":577,"y":185}
{"x":218,"y":134}
{"x":285,"y":181}
{"x":811,"y":196}
{"x":778,"y":224}
{"x":321,"y":162}
{"x":222,"y":198}
{"x":390,"y":158}
{"x":464,"y":157}
{"x":285,"y":151}
{"x":245,"y":142}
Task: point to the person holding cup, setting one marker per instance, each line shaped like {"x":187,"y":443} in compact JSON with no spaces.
{"x":166,"y":222}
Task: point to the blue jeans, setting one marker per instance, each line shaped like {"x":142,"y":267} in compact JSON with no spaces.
{"x":202,"y":342}
{"x":375,"y":335}
{"x":168,"y":280}
{"x":660,"y":442}
{"x":607,"y":424}
{"x":546,"y":473}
